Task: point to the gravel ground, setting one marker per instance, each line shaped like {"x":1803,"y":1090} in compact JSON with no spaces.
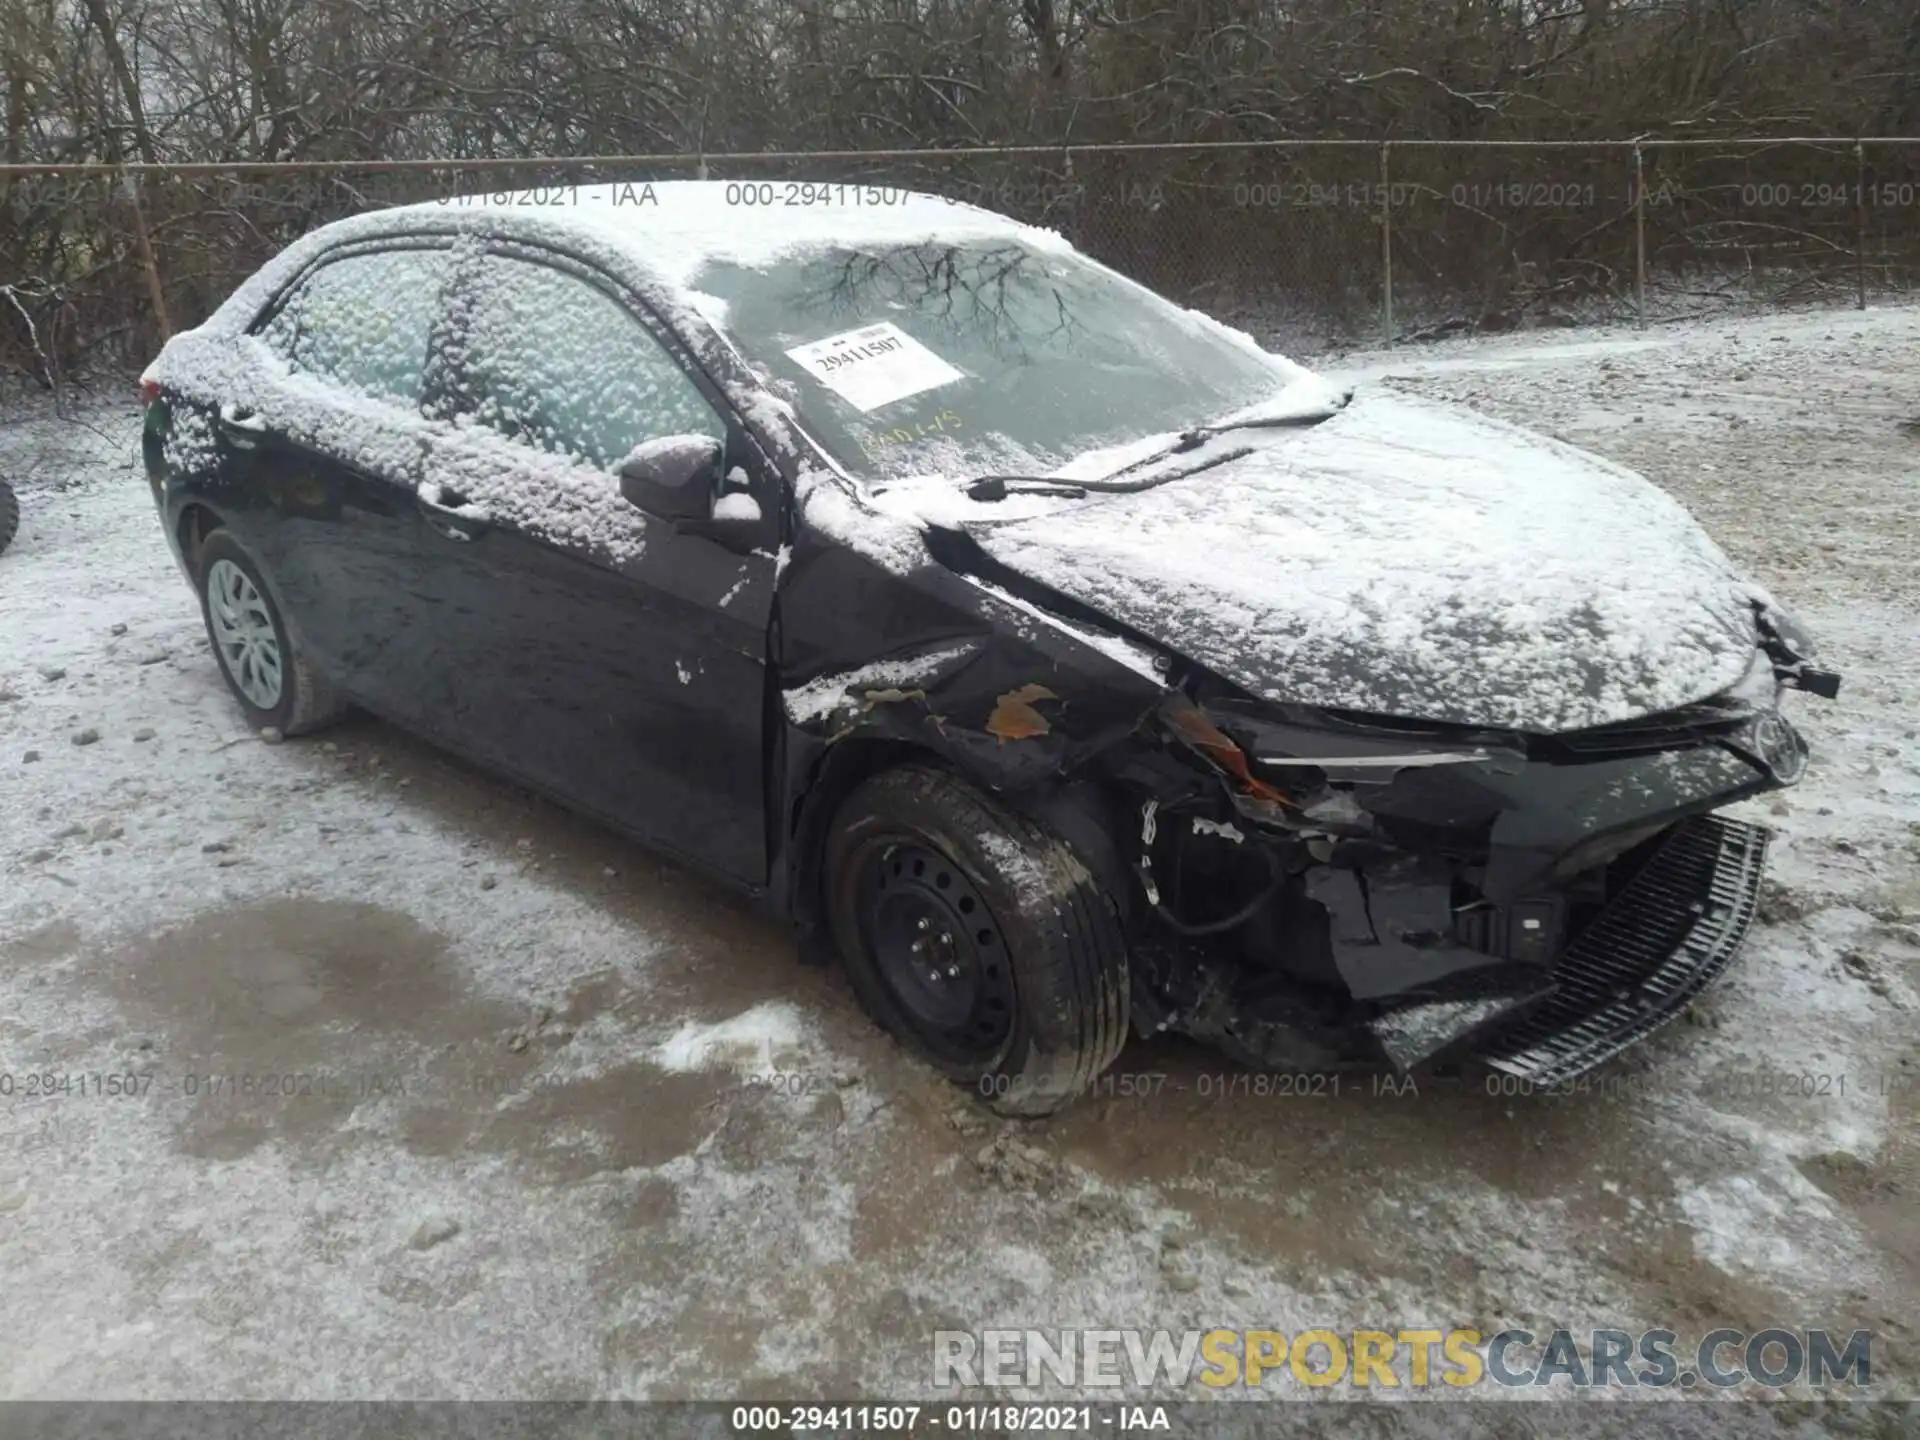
{"x":537,"y":1154}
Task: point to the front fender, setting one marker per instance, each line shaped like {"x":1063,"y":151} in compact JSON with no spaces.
{"x":874,"y":665}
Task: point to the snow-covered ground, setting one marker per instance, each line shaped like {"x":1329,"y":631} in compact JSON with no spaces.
{"x":533,"y":1148}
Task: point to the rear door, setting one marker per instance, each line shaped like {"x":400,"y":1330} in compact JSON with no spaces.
{"x":596,"y":651}
{"x":334,"y":455}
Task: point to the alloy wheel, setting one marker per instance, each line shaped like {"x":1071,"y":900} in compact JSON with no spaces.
{"x":244,"y":634}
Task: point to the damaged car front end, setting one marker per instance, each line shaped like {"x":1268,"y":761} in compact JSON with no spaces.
{"x":1310,"y":889}
{"x":1422,"y":893}
{"x":1311,"y":886}
{"x":1391,"y":735}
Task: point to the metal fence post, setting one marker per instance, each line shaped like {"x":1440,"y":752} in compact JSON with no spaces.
{"x":1860,"y":223}
{"x":156,"y":292}
{"x":1639,"y":237}
{"x":1386,"y":241}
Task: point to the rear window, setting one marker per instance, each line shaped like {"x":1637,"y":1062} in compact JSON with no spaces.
{"x":363,"y":321}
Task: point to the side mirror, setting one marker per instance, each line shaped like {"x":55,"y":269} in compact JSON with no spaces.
{"x":675,"y":477}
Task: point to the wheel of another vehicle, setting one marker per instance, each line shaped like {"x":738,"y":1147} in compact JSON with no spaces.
{"x":9,"y":515}
{"x":977,"y":938}
{"x":277,"y":687}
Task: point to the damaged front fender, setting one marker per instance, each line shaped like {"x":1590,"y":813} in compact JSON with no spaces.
{"x":934,"y":664}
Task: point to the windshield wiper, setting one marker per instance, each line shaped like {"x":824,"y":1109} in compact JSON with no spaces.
{"x":1199,"y":435}
{"x":998,"y":487}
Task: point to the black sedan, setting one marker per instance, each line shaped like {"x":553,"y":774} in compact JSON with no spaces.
{"x":1058,"y":658}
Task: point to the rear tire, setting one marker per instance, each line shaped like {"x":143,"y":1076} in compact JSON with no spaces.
{"x":277,"y":685}
{"x":9,"y":515}
{"x":976,"y":938}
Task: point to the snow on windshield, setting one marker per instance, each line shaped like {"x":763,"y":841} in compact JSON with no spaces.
{"x":948,"y":354}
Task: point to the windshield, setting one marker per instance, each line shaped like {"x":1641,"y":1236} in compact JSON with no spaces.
{"x":977,"y":357}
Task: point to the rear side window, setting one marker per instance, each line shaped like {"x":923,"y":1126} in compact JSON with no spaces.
{"x":553,"y":361}
{"x":363,"y":322}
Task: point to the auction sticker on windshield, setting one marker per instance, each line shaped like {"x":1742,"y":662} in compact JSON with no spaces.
{"x":874,"y":365}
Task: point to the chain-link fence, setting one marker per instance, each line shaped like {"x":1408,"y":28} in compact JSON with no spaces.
{"x":1310,"y":244}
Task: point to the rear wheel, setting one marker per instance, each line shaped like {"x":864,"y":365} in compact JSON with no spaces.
{"x":9,"y":514}
{"x":977,"y":938}
{"x":278,"y":686}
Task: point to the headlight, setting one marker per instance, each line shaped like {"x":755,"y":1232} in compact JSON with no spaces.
{"x":1783,"y":627}
{"x":1760,"y":685}
{"x":1776,"y":745}
{"x":1789,"y":646}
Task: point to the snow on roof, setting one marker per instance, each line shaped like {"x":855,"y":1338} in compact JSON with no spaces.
{"x":677,"y":226}
{"x":662,"y":231}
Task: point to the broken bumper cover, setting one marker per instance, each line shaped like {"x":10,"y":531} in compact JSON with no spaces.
{"x":1669,"y":934}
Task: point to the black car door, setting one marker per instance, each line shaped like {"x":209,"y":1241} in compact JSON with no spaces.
{"x":597,"y":652}
{"x":332,"y":457}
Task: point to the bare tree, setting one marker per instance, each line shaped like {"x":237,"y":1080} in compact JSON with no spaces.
{"x":329,"y":80}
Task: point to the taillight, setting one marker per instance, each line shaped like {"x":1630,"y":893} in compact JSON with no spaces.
{"x":149,"y":392}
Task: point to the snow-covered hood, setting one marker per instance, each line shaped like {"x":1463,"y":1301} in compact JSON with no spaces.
{"x":1407,"y":559}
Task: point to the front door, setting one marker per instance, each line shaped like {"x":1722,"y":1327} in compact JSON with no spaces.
{"x":591,"y":649}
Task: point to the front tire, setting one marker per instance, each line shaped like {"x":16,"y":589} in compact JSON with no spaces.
{"x":977,"y":938}
{"x":277,"y":686}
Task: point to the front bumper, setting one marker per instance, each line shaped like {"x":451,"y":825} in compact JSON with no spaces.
{"x":1538,"y":904}
{"x":1670,"y":933}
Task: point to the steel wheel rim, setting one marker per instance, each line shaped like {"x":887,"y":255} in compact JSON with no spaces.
{"x":937,"y":948}
{"x":243,"y":634}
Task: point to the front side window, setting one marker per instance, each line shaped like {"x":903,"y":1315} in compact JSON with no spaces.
{"x":363,"y":322}
{"x":550,"y":359}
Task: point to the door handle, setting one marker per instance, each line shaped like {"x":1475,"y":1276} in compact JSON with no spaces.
{"x":243,"y":428}
{"x":728,"y":535}
{"x":452,"y":515}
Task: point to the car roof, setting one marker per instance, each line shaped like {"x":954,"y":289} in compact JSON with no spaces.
{"x":657,"y":233}
{"x":674,"y":227}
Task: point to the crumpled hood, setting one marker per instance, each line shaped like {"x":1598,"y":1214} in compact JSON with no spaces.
{"x":1411,"y":560}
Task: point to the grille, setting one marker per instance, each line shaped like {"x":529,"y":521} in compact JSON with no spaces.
{"x":1666,"y":937}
